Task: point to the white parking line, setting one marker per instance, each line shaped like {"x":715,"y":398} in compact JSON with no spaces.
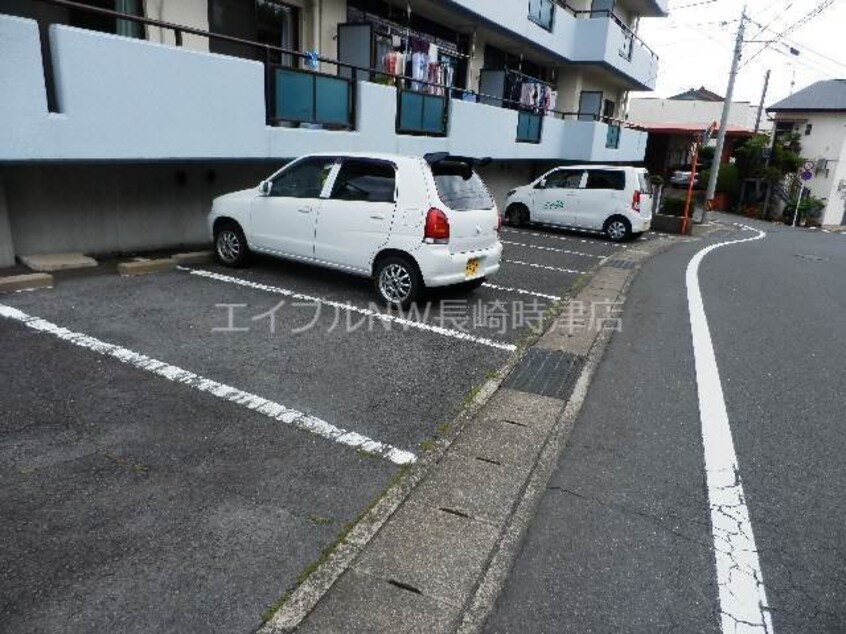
{"x":553,"y":236}
{"x":520,"y":291}
{"x":543,"y":266}
{"x":402,"y":321}
{"x":252,"y":402}
{"x":743,"y":598}
{"x":553,"y":249}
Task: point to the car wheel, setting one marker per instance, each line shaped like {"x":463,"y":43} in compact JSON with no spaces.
{"x":398,"y":281}
{"x":517,"y":215}
{"x":618,"y":229}
{"x":230,"y":245}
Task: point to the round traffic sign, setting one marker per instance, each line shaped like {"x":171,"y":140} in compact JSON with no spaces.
{"x":809,"y":165}
{"x":806,"y":175}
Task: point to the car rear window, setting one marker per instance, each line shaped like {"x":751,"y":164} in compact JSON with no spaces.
{"x":645,"y":185}
{"x":606,"y":179}
{"x":460,"y":188}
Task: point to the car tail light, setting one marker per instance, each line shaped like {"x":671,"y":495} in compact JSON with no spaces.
{"x":498,"y":222}
{"x":436,"y":230}
{"x":636,"y":201}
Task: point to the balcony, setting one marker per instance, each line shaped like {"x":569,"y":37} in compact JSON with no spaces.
{"x":128,"y":99}
{"x":608,"y":39}
{"x":576,"y":36}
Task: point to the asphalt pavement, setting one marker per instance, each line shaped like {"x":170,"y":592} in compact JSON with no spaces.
{"x":156,"y":467}
{"x":622,"y":541}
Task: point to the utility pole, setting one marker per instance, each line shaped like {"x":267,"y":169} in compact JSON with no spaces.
{"x":761,"y":105}
{"x":721,"y":136}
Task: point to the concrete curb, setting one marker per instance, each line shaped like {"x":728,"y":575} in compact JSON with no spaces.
{"x":480,"y":606}
{"x":143,"y":267}
{"x":25,"y":282}
{"x":193,"y":257}
{"x":469,"y":498}
{"x":52,"y":262}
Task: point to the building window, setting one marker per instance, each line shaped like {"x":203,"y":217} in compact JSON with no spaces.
{"x":262,"y":21}
{"x":542,"y":13}
{"x":590,"y":105}
{"x":602,"y":8}
{"x":106,"y":23}
{"x":808,"y":128}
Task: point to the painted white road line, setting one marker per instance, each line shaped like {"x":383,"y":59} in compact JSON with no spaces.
{"x":543,"y":266}
{"x":553,"y":249}
{"x":521,"y":291}
{"x":743,"y":599}
{"x":534,"y":234}
{"x":252,"y":402}
{"x":387,"y":318}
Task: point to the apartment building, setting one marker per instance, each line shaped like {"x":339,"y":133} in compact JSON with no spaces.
{"x":121,"y":119}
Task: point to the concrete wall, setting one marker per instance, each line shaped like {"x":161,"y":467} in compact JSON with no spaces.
{"x":101,"y":208}
{"x":7,"y":246}
{"x":193,"y":13}
{"x":648,"y":110}
{"x":835,"y":212}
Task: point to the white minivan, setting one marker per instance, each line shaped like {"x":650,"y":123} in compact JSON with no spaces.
{"x":407,"y":222}
{"x":616,"y":200}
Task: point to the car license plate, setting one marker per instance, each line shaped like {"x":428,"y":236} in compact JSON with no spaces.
{"x":472,"y":268}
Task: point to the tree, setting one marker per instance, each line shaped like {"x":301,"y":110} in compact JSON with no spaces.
{"x":784,"y":158}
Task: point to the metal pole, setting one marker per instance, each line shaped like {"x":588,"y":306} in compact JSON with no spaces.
{"x":721,"y":135}
{"x":761,"y":105}
{"x":798,"y":202}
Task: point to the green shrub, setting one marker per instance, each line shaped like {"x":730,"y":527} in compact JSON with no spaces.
{"x":673,"y":206}
{"x":810,"y":210}
{"x":728,"y":182}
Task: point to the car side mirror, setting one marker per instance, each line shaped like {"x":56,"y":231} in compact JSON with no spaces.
{"x":264,"y":188}
{"x":541,"y":184}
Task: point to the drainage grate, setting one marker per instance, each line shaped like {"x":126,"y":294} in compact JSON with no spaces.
{"x":546,"y":373}
{"x":620,"y":264}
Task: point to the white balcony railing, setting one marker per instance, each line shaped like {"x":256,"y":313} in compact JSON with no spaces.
{"x":127,"y":99}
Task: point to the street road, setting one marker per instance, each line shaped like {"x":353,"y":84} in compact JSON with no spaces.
{"x":624,"y":540}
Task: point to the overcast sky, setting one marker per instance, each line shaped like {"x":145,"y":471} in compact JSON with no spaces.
{"x":695,"y":47}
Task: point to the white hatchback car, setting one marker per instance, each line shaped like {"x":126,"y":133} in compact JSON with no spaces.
{"x":616,"y":200}
{"x":407,"y":222}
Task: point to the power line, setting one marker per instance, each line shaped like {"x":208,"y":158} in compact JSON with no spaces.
{"x":825,"y":4}
{"x":695,"y":4}
{"x":807,"y":48}
{"x":778,"y":14}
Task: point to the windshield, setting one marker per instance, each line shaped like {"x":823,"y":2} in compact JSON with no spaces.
{"x":460,"y":188}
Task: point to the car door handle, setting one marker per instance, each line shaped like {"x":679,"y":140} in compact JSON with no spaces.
{"x":304,"y":210}
{"x":377,"y":216}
